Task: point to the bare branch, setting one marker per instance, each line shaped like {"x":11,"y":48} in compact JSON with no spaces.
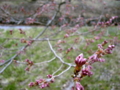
{"x":69,"y":64}
{"x":57,"y":70}
{"x":62,"y":72}
{"x":45,"y":61}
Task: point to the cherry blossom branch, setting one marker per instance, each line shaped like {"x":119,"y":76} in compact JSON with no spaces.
{"x":24,"y":47}
{"x":83,"y":65}
{"x":8,"y":62}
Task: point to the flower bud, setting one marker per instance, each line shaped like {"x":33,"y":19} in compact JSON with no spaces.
{"x":80,"y":60}
{"x":87,"y":72}
{"x":78,"y":86}
{"x":31,"y":84}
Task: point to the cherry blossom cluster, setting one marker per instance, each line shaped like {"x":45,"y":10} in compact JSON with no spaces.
{"x":109,"y":22}
{"x":46,"y":8}
{"x":29,"y":64}
{"x":30,"y":20}
{"x":21,"y":31}
{"x":69,"y":49}
{"x":78,"y":86}
{"x":42,"y":83}
{"x":84,"y":65}
{"x":11,"y":32}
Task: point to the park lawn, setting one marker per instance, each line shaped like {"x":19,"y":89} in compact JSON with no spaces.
{"x":105,"y":77}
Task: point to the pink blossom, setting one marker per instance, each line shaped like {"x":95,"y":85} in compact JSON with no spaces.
{"x":11,"y":31}
{"x":37,"y":82}
{"x":74,"y":29}
{"x":66,"y":35}
{"x":27,"y":69}
{"x":52,"y":80}
{"x":59,"y":41}
{"x":100,"y":46}
{"x":105,"y":42}
{"x":60,"y":49}
{"x":49,"y":76}
{"x":97,"y":38}
{"x":77,"y":26}
{"x":87,"y":72}
{"x":89,"y":67}
{"x":2,"y":61}
{"x":30,"y":20}
{"x":109,"y":49}
{"x":31,"y":84}
{"x":80,"y":60}
{"x":78,"y":86}
{"x":27,"y":60}
{"x":101,"y":60}
{"x":93,"y":57}
{"x":41,"y":80}
{"x":44,"y":85}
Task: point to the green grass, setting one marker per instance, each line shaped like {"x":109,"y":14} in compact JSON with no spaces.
{"x":106,"y":75}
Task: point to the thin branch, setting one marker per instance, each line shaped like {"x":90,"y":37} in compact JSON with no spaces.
{"x":6,"y":12}
{"x":45,"y":61}
{"x":62,"y":72}
{"x":69,"y":64}
{"x":8,"y":63}
{"x":57,"y":70}
{"x":41,"y":39}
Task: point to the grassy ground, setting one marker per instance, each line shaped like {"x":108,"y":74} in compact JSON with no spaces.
{"x":106,"y":75}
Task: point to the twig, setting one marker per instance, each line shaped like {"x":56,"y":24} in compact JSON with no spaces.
{"x":8,"y":63}
{"x":69,"y":64}
{"x":57,"y":70}
{"x":62,"y":72}
{"x":45,"y":61}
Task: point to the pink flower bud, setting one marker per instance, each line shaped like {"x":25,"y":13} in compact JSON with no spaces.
{"x":78,"y":86}
{"x":11,"y":31}
{"x":101,"y":60}
{"x":52,"y":80}
{"x":80,"y":60}
{"x":109,"y":49}
{"x":97,"y":38}
{"x":2,"y":61}
{"x":42,"y":86}
{"x":87,"y":72}
{"x":27,"y":60}
{"x":41,"y":80}
{"x":94,"y":57}
{"x":37,"y":82}
{"x":27,"y":69}
{"x":77,"y":26}
{"x":49,"y":76}
{"x":100,"y":46}
{"x":66,"y":36}
{"x":31,"y":84}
